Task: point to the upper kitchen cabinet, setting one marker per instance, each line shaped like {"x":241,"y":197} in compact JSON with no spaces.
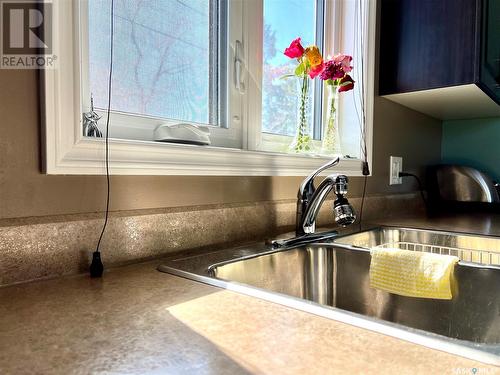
{"x":441,"y":57}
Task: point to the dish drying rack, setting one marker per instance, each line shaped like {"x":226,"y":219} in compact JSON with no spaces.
{"x":482,"y":257}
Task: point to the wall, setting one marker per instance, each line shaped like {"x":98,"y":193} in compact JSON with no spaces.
{"x":474,"y":143}
{"x":25,"y":192}
{"x":49,"y":225}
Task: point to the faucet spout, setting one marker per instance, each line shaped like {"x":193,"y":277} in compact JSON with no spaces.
{"x":317,"y":199}
{"x":311,"y":199}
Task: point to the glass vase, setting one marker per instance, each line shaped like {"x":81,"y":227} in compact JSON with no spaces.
{"x":302,"y":140}
{"x":330,"y":144}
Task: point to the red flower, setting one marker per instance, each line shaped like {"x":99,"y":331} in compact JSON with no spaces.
{"x":332,"y":71}
{"x":295,"y":50}
{"x":346,"y":83}
{"x":344,"y":61}
{"x":314,"y":71}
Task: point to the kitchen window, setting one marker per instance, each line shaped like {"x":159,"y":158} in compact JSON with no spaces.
{"x":280,"y":100}
{"x":215,"y":63}
{"x":170,"y":66}
{"x":167,"y":61}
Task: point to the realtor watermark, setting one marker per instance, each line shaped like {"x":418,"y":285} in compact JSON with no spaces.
{"x":26,"y":40}
{"x":474,"y":370}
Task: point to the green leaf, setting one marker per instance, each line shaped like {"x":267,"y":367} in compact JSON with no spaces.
{"x":286,"y":76}
{"x":299,"y":70}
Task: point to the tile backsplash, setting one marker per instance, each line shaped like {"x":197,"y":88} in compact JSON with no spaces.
{"x":36,"y":248}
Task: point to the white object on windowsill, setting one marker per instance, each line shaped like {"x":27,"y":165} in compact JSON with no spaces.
{"x":182,"y":133}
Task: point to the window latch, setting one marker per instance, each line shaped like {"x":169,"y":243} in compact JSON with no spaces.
{"x":239,"y":65}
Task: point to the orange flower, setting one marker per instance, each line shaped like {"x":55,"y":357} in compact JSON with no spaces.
{"x":313,"y":56}
{"x":314,"y":71}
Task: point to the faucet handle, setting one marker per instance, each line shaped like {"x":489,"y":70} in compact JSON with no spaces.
{"x":307,"y":186}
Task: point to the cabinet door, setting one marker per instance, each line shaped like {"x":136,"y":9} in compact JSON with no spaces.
{"x":426,"y":44}
{"x":490,"y":49}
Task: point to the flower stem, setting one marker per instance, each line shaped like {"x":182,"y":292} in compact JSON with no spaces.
{"x":303,"y":99}
{"x":302,"y":139}
{"x":332,"y":106}
{"x":331,"y":142}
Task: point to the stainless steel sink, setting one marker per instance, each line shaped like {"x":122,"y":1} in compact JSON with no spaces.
{"x":332,"y":279}
{"x":338,"y":277}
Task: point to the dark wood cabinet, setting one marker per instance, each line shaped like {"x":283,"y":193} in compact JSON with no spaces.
{"x":434,"y":44}
{"x":489,"y":74}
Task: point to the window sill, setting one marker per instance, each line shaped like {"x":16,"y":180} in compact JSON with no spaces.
{"x":149,"y":158}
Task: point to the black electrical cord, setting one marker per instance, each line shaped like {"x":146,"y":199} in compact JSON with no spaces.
{"x":359,"y":48}
{"x":96,"y":267}
{"x":363,"y":200}
{"x":420,"y":186}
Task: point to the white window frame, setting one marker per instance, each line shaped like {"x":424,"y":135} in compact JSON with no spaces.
{"x":66,"y":151}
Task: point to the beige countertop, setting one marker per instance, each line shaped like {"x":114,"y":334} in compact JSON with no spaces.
{"x":136,"y":320}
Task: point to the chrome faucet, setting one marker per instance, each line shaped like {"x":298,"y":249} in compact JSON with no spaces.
{"x":310,"y":199}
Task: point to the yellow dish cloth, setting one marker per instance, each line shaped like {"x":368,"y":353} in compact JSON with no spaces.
{"x":412,"y":273}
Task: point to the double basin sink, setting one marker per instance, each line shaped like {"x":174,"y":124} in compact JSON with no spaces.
{"x":331,"y":279}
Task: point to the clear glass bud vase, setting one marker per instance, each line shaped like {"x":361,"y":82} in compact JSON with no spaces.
{"x":301,"y":142}
{"x":330,"y":144}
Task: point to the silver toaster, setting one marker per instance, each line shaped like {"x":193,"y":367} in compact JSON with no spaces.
{"x":457,"y":186}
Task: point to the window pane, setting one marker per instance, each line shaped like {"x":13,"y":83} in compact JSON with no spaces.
{"x":284,"y":20}
{"x":163,"y":64}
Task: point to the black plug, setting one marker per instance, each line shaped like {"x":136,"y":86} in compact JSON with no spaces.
{"x":404,"y":174}
{"x":366,"y":169}
{"x":96,"y":267}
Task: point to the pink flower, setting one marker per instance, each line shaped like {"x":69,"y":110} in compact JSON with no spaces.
{"x":346,"y":83}
{"x":344,"y":61}
{"x":316,"y":70}
{"x":332,"y":70}
{"x":295,"y":50}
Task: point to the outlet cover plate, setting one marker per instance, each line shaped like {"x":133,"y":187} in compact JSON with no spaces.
{"x":395,"y":167}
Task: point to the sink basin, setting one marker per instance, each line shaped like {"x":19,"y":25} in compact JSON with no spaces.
{"x":338,"y":277}
{"x":332,"y":280}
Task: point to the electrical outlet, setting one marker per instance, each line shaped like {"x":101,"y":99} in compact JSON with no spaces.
{"x":395,"y":167}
